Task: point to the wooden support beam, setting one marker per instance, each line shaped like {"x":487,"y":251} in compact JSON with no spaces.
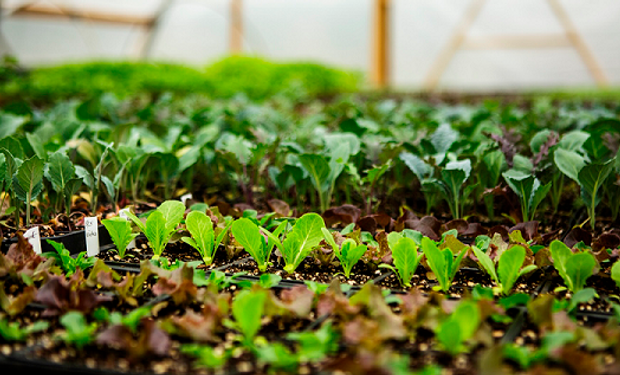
{"x":517,"y":42}
{"x":67,"y":13}
{"x":579,"y":44}
{"x":236,"y":27}
{"x":380,"y":44}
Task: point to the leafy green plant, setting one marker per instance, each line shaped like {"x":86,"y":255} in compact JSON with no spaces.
{"x":529,"y":190}
{"x":247,"y":309}
{"x":459,"y":327}
{"x":348,"y":254}
{"x":60,"y":171}
{"x":453,"y":177}
{"x":93,"y":181}
{"x":615,"y":273}
{"x":574,"y":268}
{"x":11,"y":331}
{"x":120,"y":232}
{"x":28,"y":182}
{"x":77,"y":331}
{"x":64,"y":259}
{"x":249,"y":236}
{"x":424,"y":172}
{"x":206,"y":356}
{"x":203,"y":237}
{"x":303,"y":237}
{"x":406,"y":259}
{"x":509,"y":266}
{"x":590,"y":177}
{"x":442,"y":262}
{"x":160,"y":225}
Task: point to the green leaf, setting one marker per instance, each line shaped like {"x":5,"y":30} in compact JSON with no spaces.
{"x":509,"y":266}
{"x":486,"y":263}
{"x":200,"y":227}
{"x":591,"y":178}
{"x":157,"y":232}
{"x":416,"y":165}
{"x":449,"y":335}
{"x":318,"y":167}
{"x":59,"y":170}
{"x":305,"y":235}
{"x":248,"y":235}
{"x":77,"y":331}
{"x":172,"y":212}
{"x":9,"y":124}
{"x":569,"y":163}
{"x":573,"y":141}
{"x":579,"y":267}
{"x":86,"y":176}
{"x":437,"y":261}
{"x":120,"y":232}
{"x":247,"y":309}
{"x":442,"y":139}
{"x":560,"y":254}
{"x":615,"y":273}
{"x":406,"y":259}
{"x":29,"y":179}
{"x":350,"y":254}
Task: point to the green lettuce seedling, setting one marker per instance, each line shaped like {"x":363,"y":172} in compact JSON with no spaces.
{"x":508,"y":267}
{"x":574,"y":268}
{"x":203,"y":237}
{"x":406,"y":259}
{"x":120,"y":232}
{"x":348,"y":254}
{"x":11,"y":331}
{"x":248,"y":235}
{"x":460,"y":326}
{"x":442,"y":262}
{"x":305,"y":235}
{"x":77,"y":331}
{"x":247,"y":309}
{"x":160,"y":225}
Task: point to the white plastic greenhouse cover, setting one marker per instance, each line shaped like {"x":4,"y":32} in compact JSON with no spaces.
{"x":338,"y":32}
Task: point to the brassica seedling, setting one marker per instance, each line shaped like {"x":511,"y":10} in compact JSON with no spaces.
{"x":442,"y":262}
{"x":529,"y":190}
{"x":574,"y":268}
{"x":64,"y":259}
{"x":203,"y":237}
{"x":348,"y":254}
{"x":305,"y":235}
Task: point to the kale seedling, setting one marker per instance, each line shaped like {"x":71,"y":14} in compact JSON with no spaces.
{"x":64,"y":259}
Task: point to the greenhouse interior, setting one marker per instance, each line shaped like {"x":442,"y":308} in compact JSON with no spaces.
{"x":310,"y":187}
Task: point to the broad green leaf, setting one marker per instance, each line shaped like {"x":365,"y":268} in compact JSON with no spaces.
{"x":416,"y":165}
{"x":560,"y":254}
{"x":460,"y":165}
{"x":467,"y":315}
{"x":449,"y":335}
{"x":406,"y":259}
{"x":248,"y":235}
{"x":486,"y":263}
{"x":86,"y":176}
{"x":157,"y":232}
{"x":59,"y":170}
{"x":12,"y":145}
{"x":329,"y":238}
{"x":9,"y":124}
{"x":539,"y":139}
{"x":120,"y":232}
{"x":305,"y":235}
{"x":200,"y":227}
{"x":318,"y":167}
{"x":615,"y":273}
{"x":573,"y":141}
{"x":569,"y":163}
{"x":3,"y":170}
{"x":437,"y":261}
{"x":247,"y":309}
{"x":172,"y":212}
{"x":442,"y":139}
{"x":579,"y":267}
{"x":29,"y":178}
{"x":509,"y":266}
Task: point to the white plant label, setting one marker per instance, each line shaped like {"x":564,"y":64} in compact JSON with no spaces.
{"x":91,"y":231}
{"x":185,"y":197}
{"x":123,"y":213}
{"x":34,"y":238}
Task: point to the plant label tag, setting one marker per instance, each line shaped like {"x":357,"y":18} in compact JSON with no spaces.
{"x":123,"y":213}
{"x":185,"y":197}
{"x":91,"y":231}
{"x":34,"y":238}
